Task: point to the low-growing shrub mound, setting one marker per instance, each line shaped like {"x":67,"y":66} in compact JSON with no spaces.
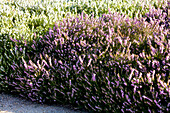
{"x":20,"y":18}
{"x":158,"y":14}
{"x":111,"y":64}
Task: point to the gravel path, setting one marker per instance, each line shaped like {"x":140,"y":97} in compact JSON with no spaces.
{"x":15,"y":104}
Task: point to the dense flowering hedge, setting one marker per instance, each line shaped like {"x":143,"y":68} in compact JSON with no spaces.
{"x":115,"y":63}
{"x":111,"y":64}
{"x":20,"y":18}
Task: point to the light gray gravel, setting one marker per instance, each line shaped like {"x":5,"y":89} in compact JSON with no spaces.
{"x":15,"y":104}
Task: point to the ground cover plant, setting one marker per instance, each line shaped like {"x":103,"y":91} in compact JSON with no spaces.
{"x":93,"y":63}
{"x":20,"y":18}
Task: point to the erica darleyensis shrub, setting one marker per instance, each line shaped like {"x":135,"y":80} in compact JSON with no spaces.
{"x":159,"y":14}
{"x":9,"y":55}
{"x":111,"y":64}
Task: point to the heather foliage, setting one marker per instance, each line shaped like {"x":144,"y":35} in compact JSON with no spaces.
{"x":20,"y":18}
{"x":9,"y":55}
{"x":160,"y":15}
{"x":111,"y":64}
{"x":115,"y":63}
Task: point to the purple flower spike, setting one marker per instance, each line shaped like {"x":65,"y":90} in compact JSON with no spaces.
{"x":94,"y":77}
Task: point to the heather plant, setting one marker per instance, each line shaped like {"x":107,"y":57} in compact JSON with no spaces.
{"x":160,"y":14}
{"x":24,"y":18}
{"x":93,"y":63}
{"x":10,"y":54}
{"x":86,"y":62}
